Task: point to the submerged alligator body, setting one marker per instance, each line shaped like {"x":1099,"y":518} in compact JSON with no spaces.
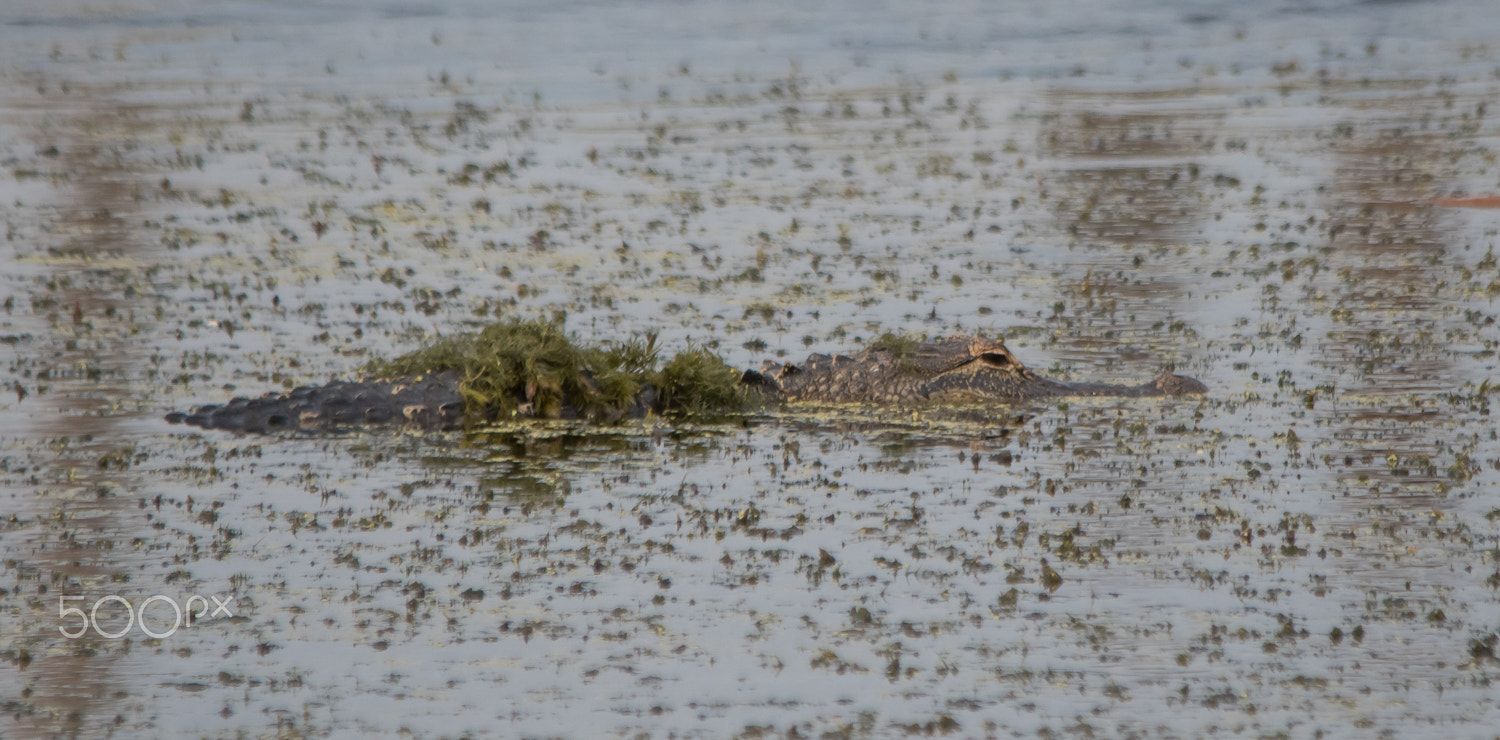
{"x":953,"y":368}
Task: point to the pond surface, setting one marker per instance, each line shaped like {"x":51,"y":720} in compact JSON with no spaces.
{"x":209,"y":199}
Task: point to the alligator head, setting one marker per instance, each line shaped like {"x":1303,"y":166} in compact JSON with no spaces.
{"x":949,"y":368}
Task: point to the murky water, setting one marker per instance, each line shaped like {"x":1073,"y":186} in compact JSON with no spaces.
{"x":209,"y":199}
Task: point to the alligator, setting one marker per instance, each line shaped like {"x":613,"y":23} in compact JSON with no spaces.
{"x":952,"y":369}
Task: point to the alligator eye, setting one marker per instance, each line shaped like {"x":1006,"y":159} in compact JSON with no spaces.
{"x":998,"y":360}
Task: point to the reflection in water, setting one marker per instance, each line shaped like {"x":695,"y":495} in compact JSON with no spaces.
{"x":1387,"y":246}
{"x":526,"y":468}
{"x":85,"y":512}
{"x":1388,"y":249}
{"x":1128,"y":184}
{"x":1127,"y":174}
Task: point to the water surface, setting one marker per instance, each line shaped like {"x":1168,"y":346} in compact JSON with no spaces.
{"x":209,"y":199}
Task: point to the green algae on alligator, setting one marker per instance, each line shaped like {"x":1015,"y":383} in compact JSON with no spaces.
{"x":532,"y":369}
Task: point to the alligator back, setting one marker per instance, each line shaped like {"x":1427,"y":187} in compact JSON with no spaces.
{"x":429,"y":401}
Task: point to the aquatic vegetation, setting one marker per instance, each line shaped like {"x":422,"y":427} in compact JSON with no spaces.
{"x":515,"y":366}
{"x":903,"y":346}
{"x":698,"y":382}
{"x":900,"y":345}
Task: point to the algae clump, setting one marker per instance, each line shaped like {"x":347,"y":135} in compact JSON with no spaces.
{"x":900,"y":345}
{"x":532,"y":368}
{"x":699,"y":383}
{"x":903,"y":347}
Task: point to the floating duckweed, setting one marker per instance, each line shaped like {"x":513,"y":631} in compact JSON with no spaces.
{"x":533,"y":367}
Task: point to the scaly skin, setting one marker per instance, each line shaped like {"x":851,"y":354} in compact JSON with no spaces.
{"x":950,"y":369}
{"x":955,"y":368}
{"x":431,"y":401}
